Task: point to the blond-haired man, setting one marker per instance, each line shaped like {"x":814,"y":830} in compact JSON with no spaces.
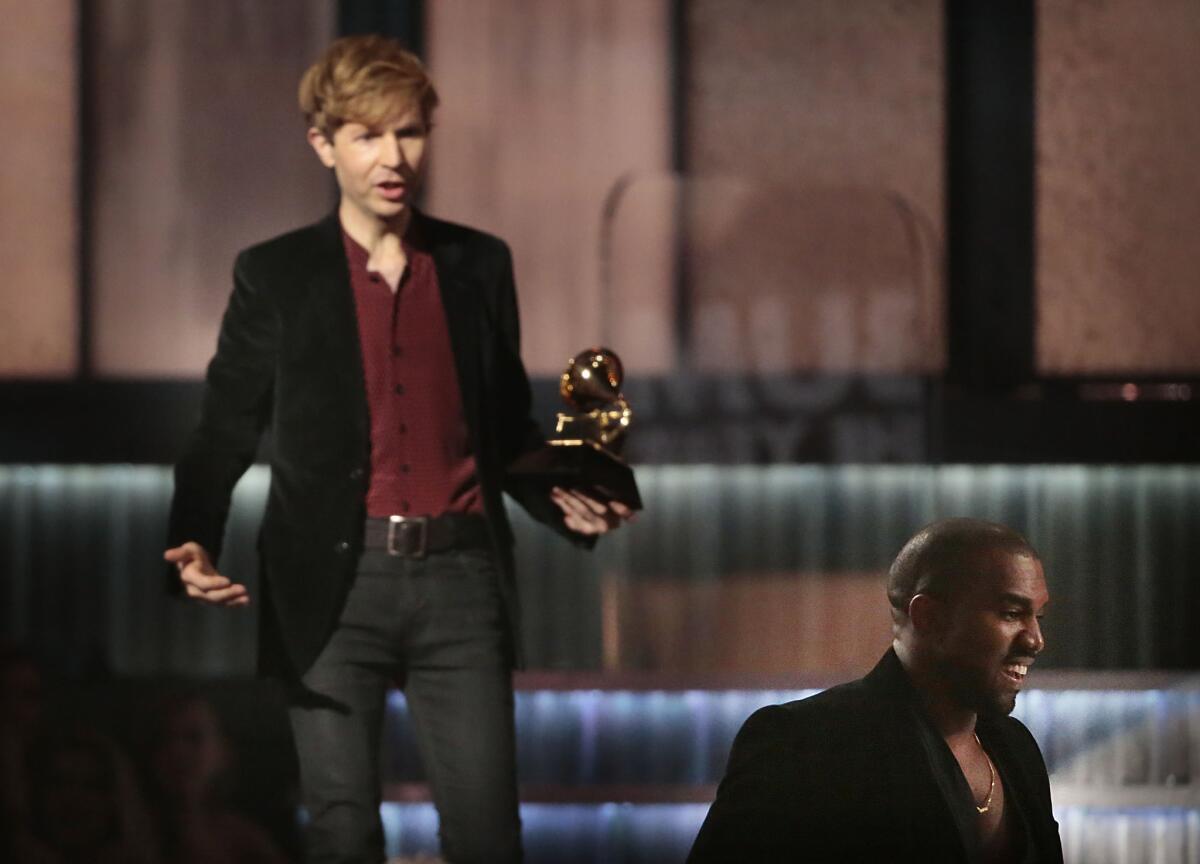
{"x":380,"y":347}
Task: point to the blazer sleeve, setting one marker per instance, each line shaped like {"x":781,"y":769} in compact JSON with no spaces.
{"x":519,"y":431}
{"x":754,"y":817}
{"x":235,"y":409}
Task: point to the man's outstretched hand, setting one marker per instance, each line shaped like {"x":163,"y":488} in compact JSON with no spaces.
{"x":201,"y":580}
{"x":585,"y":515}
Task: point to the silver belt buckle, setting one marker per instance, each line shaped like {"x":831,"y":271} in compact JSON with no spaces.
{"x":403,"y":527}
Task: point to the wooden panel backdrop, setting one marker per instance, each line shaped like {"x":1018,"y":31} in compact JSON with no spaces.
{"x":1118,"y":208}
{"x":829,"y":115}
{"x":546,"y":105}
{"x":196,"y":150}
{"x":39,"y":219}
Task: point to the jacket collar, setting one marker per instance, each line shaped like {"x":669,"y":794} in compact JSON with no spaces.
{"x":888,"y":678}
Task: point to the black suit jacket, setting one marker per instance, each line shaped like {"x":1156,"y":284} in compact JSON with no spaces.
{"x":846,"y":776}
{"x":288,"y":359}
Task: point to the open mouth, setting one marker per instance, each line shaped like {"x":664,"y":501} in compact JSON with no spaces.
{"x":1016,"y":672}
{"x":393,"y":190}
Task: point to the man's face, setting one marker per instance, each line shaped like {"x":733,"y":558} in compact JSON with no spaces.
{"x":377,"y":166}
{"x":992,"y":632}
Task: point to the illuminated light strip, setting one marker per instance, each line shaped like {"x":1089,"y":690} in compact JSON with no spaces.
{"x":1123,"y":739}
{"x":1064,"y":795}
{"x":664,"y":832}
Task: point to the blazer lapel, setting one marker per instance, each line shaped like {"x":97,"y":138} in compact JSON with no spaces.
{"x":951,"y":785}
{"x":461,"y":305}
{"x":331,"y":294}
{"x":915,"y":750}
{"x":1021,"y":788}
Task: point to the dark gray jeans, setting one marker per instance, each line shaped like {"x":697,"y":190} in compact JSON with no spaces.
{"x":434,"y":625}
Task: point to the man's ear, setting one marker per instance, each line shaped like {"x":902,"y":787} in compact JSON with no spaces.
{"x":321,"y":145}
{"x":925,"y":613}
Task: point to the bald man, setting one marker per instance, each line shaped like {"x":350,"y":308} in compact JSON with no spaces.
{"x":918,"y":761}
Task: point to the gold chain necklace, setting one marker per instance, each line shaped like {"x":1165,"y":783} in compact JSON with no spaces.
{"x":987,"y":802}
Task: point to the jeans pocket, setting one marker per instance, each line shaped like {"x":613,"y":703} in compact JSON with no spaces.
{"x":466,"y":588}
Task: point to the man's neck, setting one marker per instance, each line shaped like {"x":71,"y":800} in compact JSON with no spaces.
{"x":952,"y":721}
{"x":369,"y":231}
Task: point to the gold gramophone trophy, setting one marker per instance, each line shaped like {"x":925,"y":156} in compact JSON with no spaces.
{"x":585,"y":452}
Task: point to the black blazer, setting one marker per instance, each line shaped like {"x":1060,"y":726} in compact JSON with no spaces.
{"x":288,"y":359}
{"x":845,"y":776}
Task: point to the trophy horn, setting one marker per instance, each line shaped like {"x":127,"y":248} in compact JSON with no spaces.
{"x":592,"y":377}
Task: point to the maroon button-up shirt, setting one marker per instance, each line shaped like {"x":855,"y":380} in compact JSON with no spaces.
{"x":421,"y":459}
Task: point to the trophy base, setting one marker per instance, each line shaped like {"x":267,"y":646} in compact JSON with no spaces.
{"x":577,"y":464}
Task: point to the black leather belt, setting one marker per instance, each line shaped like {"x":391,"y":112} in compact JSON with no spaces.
{"x":416,"y":536}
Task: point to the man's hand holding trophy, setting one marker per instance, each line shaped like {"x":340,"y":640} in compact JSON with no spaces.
{"x":582,"y":463}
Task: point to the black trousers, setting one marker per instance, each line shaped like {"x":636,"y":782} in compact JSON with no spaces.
{"x":435,"y":626}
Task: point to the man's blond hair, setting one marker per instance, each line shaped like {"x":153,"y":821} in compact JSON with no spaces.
{"x":364,"y":79}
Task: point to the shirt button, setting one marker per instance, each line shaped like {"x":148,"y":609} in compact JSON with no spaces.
{"x":399,"y":389}
{"x":404,"y":506}
{"x":397,"y":351}
{"x":374,"y":277}
{"x":342,"y":546}
{"x":404,"y":469}
{"x":403,"y":428}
